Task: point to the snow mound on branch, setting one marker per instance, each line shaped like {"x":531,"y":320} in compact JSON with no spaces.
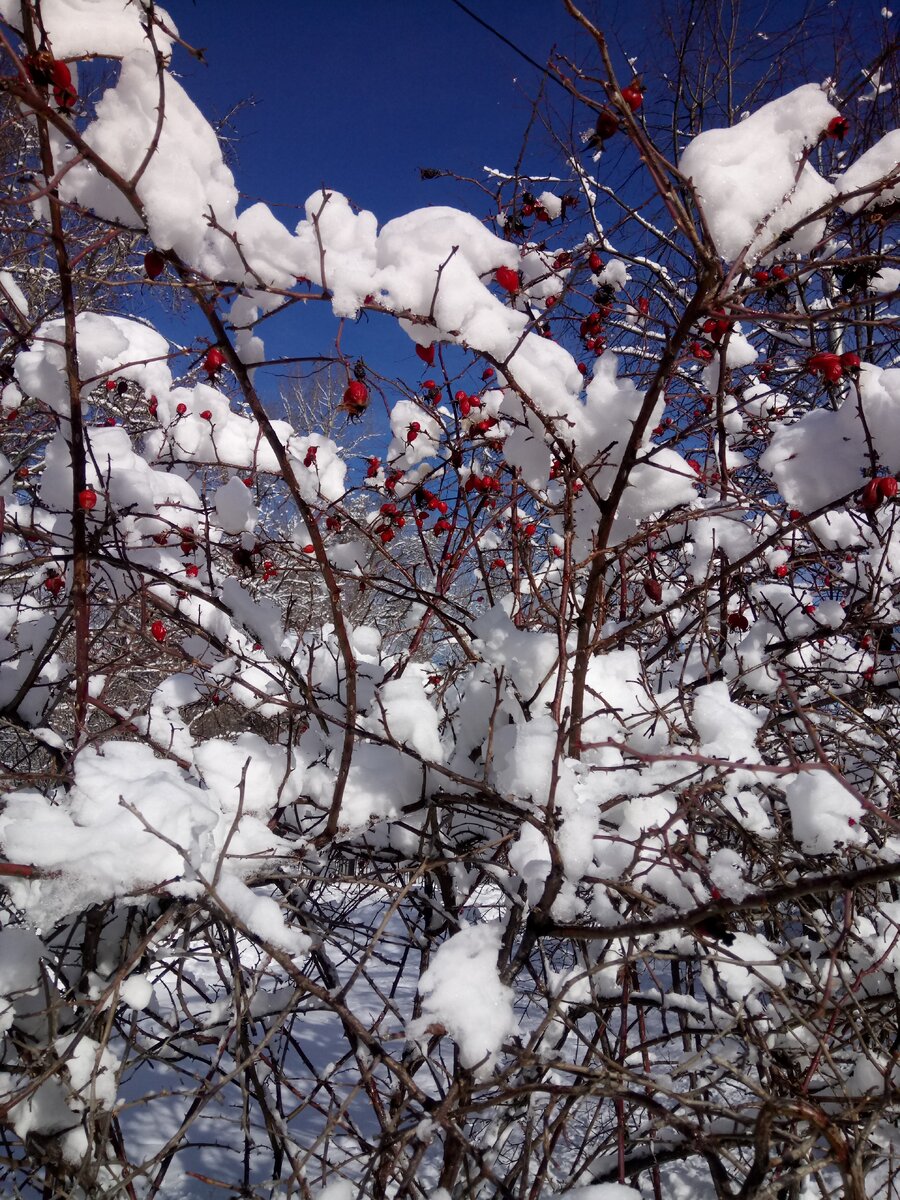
{"x":744,"y":969}
{"x":104,"y":27}
{"x":185,"y":183}
{"x":106,"y":345}
{"x":824,"y":814}
{"x":133,"y":824}
{"x":795,"y":456}
{"x":20,"y":958}
{"x":462,"y":990}
{"x":879,"y":162}
{"x":414,"y":248}
{"x":747,"y":176}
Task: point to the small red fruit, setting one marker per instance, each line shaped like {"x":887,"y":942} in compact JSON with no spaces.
{"x":192,"y":570}
{"x":781,"y":571}
{"x":633,"y":96}
{"x":737,"y":620}
{"x":181,"y":409}
{"x":426,"y":353}
{"x":158,"y":630}
{"x":850,"y":361}
{"x":595,"y":262}
{"x":838,"y":127}
{"x":54,"y":584}
{"x":214,"y":361}
{"x":508,"y":280}
{"x":154,"y":264}
{"x":206,"y":414}
{"x":607,"y":124}
{"x":356,"y":398}
{"x":63,"y":89}
{"x":653,"y":588}
{"x":871,"y":496}
{"x":87,"y":499}
{"x":887,"y":487}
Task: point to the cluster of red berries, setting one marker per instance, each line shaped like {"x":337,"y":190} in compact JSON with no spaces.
{"x":46,"y":71}
{"x":877,"y":490}
{"x":833,"y":367}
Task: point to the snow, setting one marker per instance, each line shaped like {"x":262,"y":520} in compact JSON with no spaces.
{"x":824,"y":814}
{"x":750,"y":181}
{"x":110,"y":28}
{"x":158,"y":829}
{"x":185,"y":180}
{"x":875,"y":173}
{"x":461,"y":990}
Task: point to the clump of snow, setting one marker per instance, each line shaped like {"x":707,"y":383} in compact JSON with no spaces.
{"x":749,"y":179}
{"x":185,"y":179}
{"x":461,"y":990}
{"x":824,"y":814}
{"x":875,"y":172}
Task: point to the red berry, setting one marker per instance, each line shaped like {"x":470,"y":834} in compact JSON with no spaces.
{"x":643,"y":305}
{"x":63,"y":89}
{"x":850,"y":361}
{"x":192,"y":570}
{"x":737,"y":620}
{"x":595,"y":262}
{"x":247,"y":481}
{"x":309,"y":548}
{"x":110,"y":385}
{"x":206,"y":414}
{"x":426,"y":353}
{"x":633,"y":96}
{"x":762,"y":278}
{"x":54,"y":584}
{"x":153,"y":406}
{"x":653,"y":588}
{"x":887,"y":487}
{"x":181,"y":409}
{"x":158,"y":630}
{"x":487,"y":373}
{"x":607,"y":124}
{"x":87,"y":499}
{"x":582,"y":367}
{"x":530,"y":529}
{"x":356,"y":398}
{"x":154,"y":264}
{"x":508,"y":280}
{"x":871,"y":496}
{"x":838,"y":127}
{"x":214,"y":360}
{"x":781,"y":571}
